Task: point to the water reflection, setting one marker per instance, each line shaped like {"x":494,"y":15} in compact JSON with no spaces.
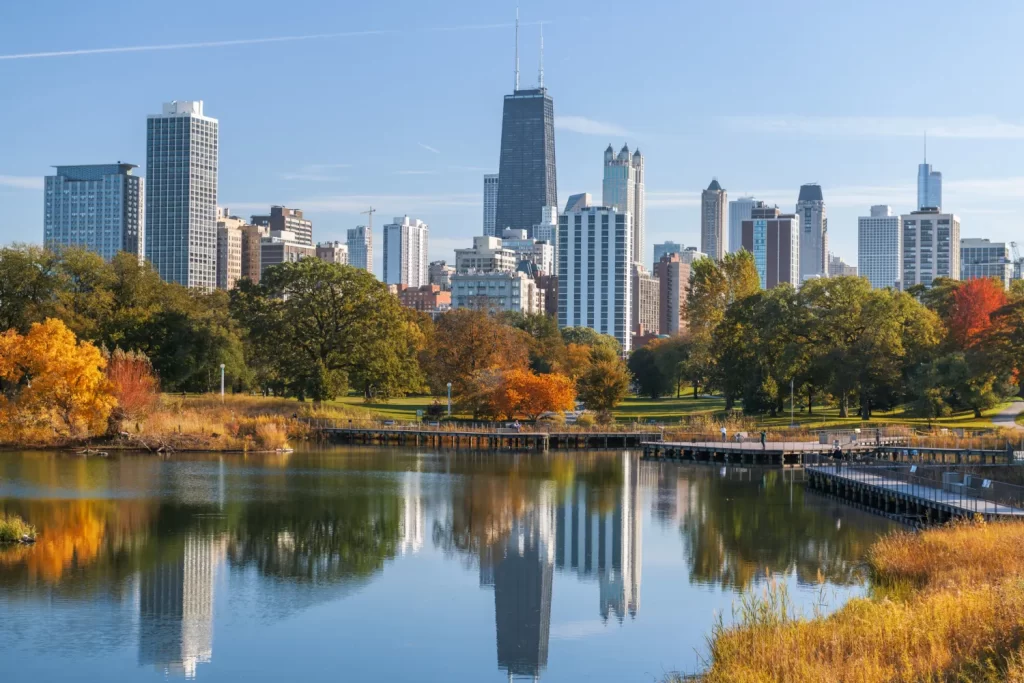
{"x":159,"y":553}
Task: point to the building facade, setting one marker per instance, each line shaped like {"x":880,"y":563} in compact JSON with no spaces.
{"x":526,"y":169}
{"x":774,"y":239}
{"x":539,"y":253}
{"x":713,"y":203}
{"x":497,"y":291}
{"x":673,"y":275}
{"x":281,"y":218}
{"x":880,"y":247}
{"x":99,"y":207}
{"x":332,"y":252}
{"x":623,"y":189}
{"x":425,"y":299}
{"x":487,"y":255}
{"x":646,"y":298}
{"x":252,"y":248}
{"x":837,"y":267}
{"x":280,"y":247}
{"x":810,"y":207}
{"x":665,"y":249}
{"x":740,"y":210}
{"x":929,"y":187}
{"x":931,"y":247}
{"x":360,"y":248}
{"x":490,"y":203}
{"x":981,"y":258}
{"x":547,"y":231}
{"x":595,"y":287}
{"x":405,"y":252}
{"x":182,"y":152}
{"x":229,"y":255}
{"x":440,"y":273}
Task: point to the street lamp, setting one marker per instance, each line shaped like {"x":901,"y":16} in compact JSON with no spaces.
{"x":792,"y":414}
{"x":221,"y":382}
{"x":449,"y":399}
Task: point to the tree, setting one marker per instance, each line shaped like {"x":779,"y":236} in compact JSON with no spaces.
{"x":27,"y":282}
{"x":524,"y":392}
{"x":49,"y":378}
{"x":133,"y":385}
{"x":585,"y":336}
{"x":971,"y":308}
{"x":650,"y":380}
{"x":324,"y":327}
{"x":547,"y":348}
{"x":603,"y":386}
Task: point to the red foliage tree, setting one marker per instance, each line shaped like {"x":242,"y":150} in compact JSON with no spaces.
{"x":133,"y":383}
{"x":970,"y":315}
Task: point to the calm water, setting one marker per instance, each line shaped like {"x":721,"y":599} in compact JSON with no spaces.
{"x":396,"y":565}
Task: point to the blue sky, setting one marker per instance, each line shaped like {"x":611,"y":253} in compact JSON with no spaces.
{"x":400,"y":106}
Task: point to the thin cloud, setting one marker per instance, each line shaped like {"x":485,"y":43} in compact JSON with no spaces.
{"x":585,"y":126}
{"x":256,"y":41}
{"x":429,"y":148}
{"x":313,"y":177}
{"x":965,"y":127}
{"x":415,"y":172}
{"x":21,"y":182}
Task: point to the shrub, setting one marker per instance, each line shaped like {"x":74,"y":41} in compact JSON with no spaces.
{"x":586,"y":420}
{"x":13,"y":528}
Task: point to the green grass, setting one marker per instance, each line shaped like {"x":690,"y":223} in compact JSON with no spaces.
{"x":666,"y":410}
{"x":13,"y":528}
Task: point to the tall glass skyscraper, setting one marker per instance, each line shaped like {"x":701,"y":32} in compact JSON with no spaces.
{"x":97,"y":207}
{"x":182,"y":151}
{"x":929,"y":187}
{"x":360,"y":247}
{"x":623,"y":188}
{"x":526,"y":170}
{"x":810,"y":207}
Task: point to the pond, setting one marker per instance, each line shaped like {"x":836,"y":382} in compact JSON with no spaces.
{"x":400,"y":564}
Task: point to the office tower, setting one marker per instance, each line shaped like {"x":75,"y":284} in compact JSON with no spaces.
{"x":810,"y":207}
{"x":837,"y":267}
{"x":623,"y":189}
{"x":739,"y":211}
{"x":713,"y":203}
{"x":252,"y":246}
{"x":773,"y":238}
{"x":931,"y":247}
{"x":405,"y":252}
{"x":665,"y":249}
{"x":99,"y":207}
{"x":547,"y":231}
{"x":496,"y":291}
{"x":281,"y":219}
{"x":360,"y":247}
{"x":985,"y":259}
{"x":490,"y":203}
{"x":594,"y":279}
{"x":673,"y":274}
{"x":332,"y":252}
{"x":181,"y":194}
{"x":440,"y":273}
{"x":487,"y":255}
{"x":929,"y":184}
{"x":646,"y":298}
{"x":282,"y":246}
{"x":880,"y":247}
{"x":229,"y":255}
{"x":526,"y":168}
{"x":539,"y":253}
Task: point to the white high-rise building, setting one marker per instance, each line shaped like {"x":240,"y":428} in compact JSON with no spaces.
{"x":487,"y":255}
{"x":713,"y":203}
{"x":740,"y":210}
{"x":360,"y":247}
{"x":182,"y":152}
{"x":810,"y":207}
{"x":981,"y":258}
{"x":931,"y":247}
{"x":623,"y":189}
{"x":97,"y":207}
{"x":490,"y":204}
{"x":880,"y":247}
{"x":547,"y":230}
{"x":405,"y":252}
{"x":594,"y":271}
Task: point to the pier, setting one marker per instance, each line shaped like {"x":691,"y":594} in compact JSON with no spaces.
{"x":493,"y":440}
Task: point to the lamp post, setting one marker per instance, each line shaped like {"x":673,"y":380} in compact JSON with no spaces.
{"x":792,"y":413}
{"x":221,"y":382}
{"x":449,"y":399}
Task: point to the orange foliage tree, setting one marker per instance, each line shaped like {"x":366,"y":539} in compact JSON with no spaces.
{"x":973,"y":304}
{"x":50,"y":380}
{"x":524,"y":392}
{"x":133,"y":384}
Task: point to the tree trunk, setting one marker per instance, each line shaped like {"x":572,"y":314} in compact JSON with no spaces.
{"x":977,"y":411}
{"x":695,"y":391}
{"x":729,"y":401}
{"x":844,"y":410}
{"x":810,"y":400}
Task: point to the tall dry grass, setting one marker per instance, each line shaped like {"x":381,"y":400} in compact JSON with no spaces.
{"x":948,"y":606}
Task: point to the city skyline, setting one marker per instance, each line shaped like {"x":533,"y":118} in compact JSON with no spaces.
{"x":423,"y":170}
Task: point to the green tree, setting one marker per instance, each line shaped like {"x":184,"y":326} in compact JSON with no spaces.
{"x":603,"y":386}
{"x":650,"y":380}
{"x":586,"y":336}
{"x":28,"y":281}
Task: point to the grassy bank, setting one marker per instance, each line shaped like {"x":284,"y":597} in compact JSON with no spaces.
{"x":947,"y":605}
{"x":13,"y":529}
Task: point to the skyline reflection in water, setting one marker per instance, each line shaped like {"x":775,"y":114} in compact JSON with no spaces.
{"x":389,"y":563}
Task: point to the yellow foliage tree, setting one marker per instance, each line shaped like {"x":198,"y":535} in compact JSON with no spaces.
{"x":49,"y":379}
{"x":526,"y":393}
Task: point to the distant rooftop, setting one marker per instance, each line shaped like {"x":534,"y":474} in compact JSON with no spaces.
{"x":810,"y":193}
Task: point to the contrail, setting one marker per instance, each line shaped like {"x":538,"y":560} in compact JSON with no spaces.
{"x":253,"y":41}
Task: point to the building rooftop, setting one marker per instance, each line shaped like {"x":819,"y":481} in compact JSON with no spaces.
{"x":715,"y":186}
{"x":810,"y":193}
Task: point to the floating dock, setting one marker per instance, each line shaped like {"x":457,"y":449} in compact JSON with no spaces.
{"x":501,"y":439}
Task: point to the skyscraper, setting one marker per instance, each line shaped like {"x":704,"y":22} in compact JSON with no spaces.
{"x":229,"y":255}
{"x":360,"y":247}
{"x":98,"y":207}
{"x":739,"y":211}
{"x":880,"y":247}
{"x":712,"y":220}
{"x":282,"y":218}
{"x":774,"y":239}
{"x":490,"y":203}
{"x":810,"y":207}
{"x":646,"y":296}
{"x":623,"y":188}
{"x":666,"y":248}
{"x":985,"y":259}
{"x":405,"y":252}
{"x":594,"y":279}
{"x":929,"y":184}
{"x":673,"y":273}
{"x":181,"y":194}
{"x":931,"y":247}
{"x":547,"y":231}
{"x":526,"y":168}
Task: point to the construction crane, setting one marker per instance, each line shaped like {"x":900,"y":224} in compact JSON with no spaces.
{"x":1018,"y":265}
{"x":370,"y":214}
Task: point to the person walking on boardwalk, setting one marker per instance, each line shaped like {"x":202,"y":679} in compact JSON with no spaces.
{"x":764,"y":435}
{"x":724,"y":433}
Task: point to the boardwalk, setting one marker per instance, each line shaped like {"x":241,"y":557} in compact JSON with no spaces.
{"x":497,"y":439}
{"x":750,"y":452}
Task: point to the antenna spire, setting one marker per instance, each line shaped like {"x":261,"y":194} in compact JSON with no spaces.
{"x":517,"y":47}
{"x":540,"y":77}
{"x":926,"y":147}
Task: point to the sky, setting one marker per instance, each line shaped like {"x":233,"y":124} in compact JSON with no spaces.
{"x":332,"y":107}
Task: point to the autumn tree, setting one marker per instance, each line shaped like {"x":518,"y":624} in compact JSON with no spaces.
{"x":50,"y":379}
{"x":524,"y":392}
{"x":134,"y":386}
{"x":971,"y":308}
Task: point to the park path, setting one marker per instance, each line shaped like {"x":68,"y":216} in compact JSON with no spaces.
{"x":1007,"y":417}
